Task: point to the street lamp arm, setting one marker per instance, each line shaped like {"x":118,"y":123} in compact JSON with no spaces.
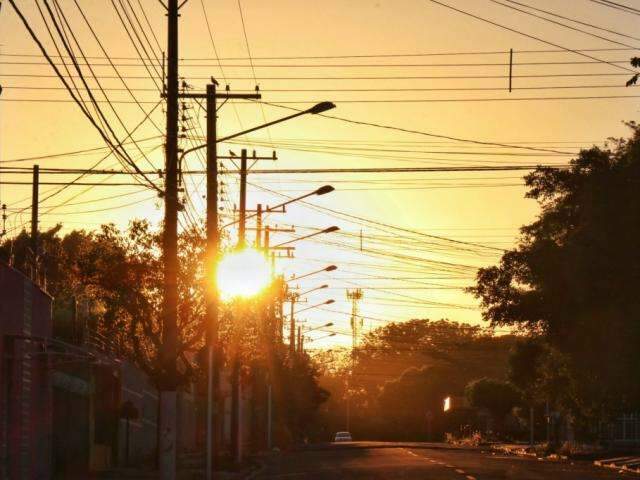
{"x":312,"y":290}
{"x":330,"y":268}
{"x":319,"y":327}
{"x":326,"y":230}
{"x":318,"y":108}
{"x":320,"y":191}
{"x":328,"y":302}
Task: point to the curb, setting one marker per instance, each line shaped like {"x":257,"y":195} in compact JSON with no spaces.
{"x":415,"y":446}
{"x":630,"y":464}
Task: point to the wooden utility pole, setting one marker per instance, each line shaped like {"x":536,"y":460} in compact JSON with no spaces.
{"x":169,"y":346}
{"x":35,"y":188}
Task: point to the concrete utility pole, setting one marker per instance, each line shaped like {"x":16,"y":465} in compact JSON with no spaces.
{"x":35,"y":188}
{"x":169,"y":347}
{"x":212,"y":252}
{"x":292,"y":324}
{"x":356,"y":323}
{"x":211,"y":276}
{"x":236,"y":400}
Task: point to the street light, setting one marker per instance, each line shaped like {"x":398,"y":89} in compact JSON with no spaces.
{"x":302,"y":294}
{"x":330,"y":324}
{"x":316,"y":109}
{"x":330,"y":268}
{"x":320,"y":232}
{"x":319,"y":191}
{"x":324,"y":336}
{"x":213,"y":230}
{"x":328,"y":302}
{"x":309,"y":339}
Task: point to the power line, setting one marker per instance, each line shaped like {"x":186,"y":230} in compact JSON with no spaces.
{"x":382,"y":224}
{"x":280,"y":171}
{"x":578,"y":22}
{"x":377,"y":55}
{"x":71,"y":153}
{"x":595,"y":61}
{"x":381,"y":101}
{"x":533,"y":37}
{"x":359,"y":77}
{"x":329,"y":90}
{"x":116,"y":148}
{"x":618,"y":6}
{"x":575,"y":29}
{"x":428,"y":134}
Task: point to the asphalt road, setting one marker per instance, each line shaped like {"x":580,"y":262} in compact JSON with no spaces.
{"x":389,"y":461}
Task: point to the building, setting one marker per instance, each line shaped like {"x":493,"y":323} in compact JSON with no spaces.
{"x":26,"y":393}
{"x":65,"y":406}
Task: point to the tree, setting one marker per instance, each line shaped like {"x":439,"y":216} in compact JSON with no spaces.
{"x":414,"y":397}
{"x":497,"y":396}
{"x":117,"y":278}
{"x":574,"y":276}
{"x":397,"y":351}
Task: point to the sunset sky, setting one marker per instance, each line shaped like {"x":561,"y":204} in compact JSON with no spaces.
{"x":413,"y":227}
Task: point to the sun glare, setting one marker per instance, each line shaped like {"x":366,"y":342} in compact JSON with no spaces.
{"x":243,"y":274}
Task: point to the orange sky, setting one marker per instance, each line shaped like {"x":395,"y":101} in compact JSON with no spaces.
{"x":485,"y":208}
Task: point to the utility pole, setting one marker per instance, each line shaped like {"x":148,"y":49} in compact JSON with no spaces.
{"x":34,"y":224}
{"x":259,"y":226}
{"x":355,"y":296}
{"x":211,"y":277}
{"x":169,"y":347}
{"x":242,"y":227}
{"x":212,"y":251}
{"x":236,"y":429}
{"x":292,"y":325}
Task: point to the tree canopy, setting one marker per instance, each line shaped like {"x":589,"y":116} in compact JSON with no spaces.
{"x":573,"y":278}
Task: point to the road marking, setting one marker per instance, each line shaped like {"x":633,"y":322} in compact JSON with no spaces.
{"x":449,"y":466}
{"x":469,"y":477}
{"x":461,"y":472}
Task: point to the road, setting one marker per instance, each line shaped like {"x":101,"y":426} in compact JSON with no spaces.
{"x":389,"y":461}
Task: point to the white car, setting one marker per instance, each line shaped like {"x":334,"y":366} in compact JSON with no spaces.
{"x":343,"y":437}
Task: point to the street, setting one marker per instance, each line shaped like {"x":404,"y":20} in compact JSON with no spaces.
{"x":420,"y":461}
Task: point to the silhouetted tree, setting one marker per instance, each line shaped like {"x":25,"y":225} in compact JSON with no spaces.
{"x":573,"y":278}
{"x":417,"y":394}
{"x":497,"y":396}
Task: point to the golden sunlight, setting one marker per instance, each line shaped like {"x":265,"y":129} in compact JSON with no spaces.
{"x":243,"y":274}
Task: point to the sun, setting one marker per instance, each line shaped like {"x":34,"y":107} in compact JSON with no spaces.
{"x":244,"y":273}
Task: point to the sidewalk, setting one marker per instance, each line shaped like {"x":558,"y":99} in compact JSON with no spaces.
{"x":182,"y":474}
{"x":624,"y":464}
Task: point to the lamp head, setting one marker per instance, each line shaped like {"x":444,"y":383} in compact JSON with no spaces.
{"x":321,"y":107}
{"x":330,"y":268}
{"x":330,"y":324}
{"x":329,"y":302}
{"x":324,"y":286}
{"x":331,"y":229}
{"x":324,"y":189}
